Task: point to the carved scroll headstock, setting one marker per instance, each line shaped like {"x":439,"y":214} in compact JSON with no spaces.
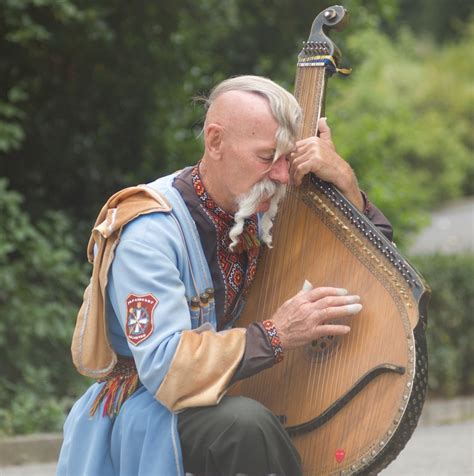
{"x":319,"y":42}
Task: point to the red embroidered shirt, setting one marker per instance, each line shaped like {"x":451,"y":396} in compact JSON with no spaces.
{"x":237,"y":268}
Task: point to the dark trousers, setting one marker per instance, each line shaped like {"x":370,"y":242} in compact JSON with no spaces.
{"x":238,"y":436}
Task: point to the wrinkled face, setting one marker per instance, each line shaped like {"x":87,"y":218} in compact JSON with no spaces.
{"x":247,"y":145}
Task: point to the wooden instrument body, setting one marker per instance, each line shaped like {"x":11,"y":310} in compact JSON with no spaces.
{"x":320,"y":237}
{"x":312,"y":378}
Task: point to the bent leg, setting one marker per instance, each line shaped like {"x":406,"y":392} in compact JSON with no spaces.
{"x":239,"y":435}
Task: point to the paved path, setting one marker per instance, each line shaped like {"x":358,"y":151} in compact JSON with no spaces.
{"x":451,"y":230}
{"x":29,"y":470}
{"x":439,"y":450}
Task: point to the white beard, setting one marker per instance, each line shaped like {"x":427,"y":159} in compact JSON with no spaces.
{"x":248,"y":204}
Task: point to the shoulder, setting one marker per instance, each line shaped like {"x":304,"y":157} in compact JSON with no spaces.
{"x":156,"y":230}
{"x":150,"y":228}
{"x":163,"y":231}
{"x":150,"y":242}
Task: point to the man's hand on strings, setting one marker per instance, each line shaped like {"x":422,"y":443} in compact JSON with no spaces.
{"x":318,"y":155}
{"x":310,"y":315}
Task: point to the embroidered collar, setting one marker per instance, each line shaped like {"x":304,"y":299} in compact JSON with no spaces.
{"x":224,"y":220}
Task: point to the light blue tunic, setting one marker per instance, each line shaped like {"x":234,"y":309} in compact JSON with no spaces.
{"x":158,"y":254}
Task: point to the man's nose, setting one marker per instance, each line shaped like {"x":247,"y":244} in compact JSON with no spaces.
{"x":279,"y":170}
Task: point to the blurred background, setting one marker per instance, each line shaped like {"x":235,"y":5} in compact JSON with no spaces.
{"x":96,"y":96}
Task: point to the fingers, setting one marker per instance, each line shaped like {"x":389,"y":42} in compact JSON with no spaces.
{"x":323,"y":321}
{"x":324,"y":134}
{"x":303,"y":145}
{"x":337,"y":312}
{"x":333,"y":302}
{"x":324,"y":138}
{"x":299,"y":168}
{"x":331,"y":330}
{"x":329,"y":304}
{"x":316,"y":294}
{"x":333,"y":307}
{"x":324,"y":130}
{"x":314,"y":313}
{"x":316,"y":155}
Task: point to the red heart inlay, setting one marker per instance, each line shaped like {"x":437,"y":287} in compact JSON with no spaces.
{"x":340,"y":455}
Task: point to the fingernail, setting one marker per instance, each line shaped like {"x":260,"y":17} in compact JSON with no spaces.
{"x":341,"y":292}
{"x":353,"y":308}
{"x":307,"y":286}
{"x":354,"y":299}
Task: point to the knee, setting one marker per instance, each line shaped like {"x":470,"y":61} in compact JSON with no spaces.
{"x":256,"y":436}
{"x":250,"y":418}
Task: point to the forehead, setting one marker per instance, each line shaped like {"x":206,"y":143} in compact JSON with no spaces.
{"x":257,"y":130}
{"x":246,"y":114}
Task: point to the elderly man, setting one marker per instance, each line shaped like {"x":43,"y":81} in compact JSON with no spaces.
{"x":173,"y":263}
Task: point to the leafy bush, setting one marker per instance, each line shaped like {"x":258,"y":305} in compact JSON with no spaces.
{"x":116,"y":112}
{"x":450,"y":331}
{"x":41,"y":286}
{"x":390,"y":120}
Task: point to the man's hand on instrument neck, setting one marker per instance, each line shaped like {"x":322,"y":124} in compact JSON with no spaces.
{"x":310,"y":315}
{"x":318,"y":155}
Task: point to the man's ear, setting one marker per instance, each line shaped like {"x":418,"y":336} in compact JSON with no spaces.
{"x":213,"y":140}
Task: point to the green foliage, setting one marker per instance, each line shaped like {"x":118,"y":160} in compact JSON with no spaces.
{"x":27,"y":32}
{"x":240,"y":37}
{"x":95,"y":96}
{"x":450,"y":333}
{"x":103,"y":93}
{"x":403,"y":120}
{"x":109,"y":85}
{"x":40,"y":290}
{"x":440,"y":19}
{"x":12,"y":133}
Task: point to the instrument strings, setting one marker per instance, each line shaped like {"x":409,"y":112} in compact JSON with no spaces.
{"x":312,"y":378}
{"x":310,"y":84}
{"x":321,"y":383}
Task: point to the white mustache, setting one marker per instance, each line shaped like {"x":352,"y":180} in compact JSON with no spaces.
{"x":248,"y":203}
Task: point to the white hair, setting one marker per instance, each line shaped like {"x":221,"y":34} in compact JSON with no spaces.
{"x":247,"y":206}
{"x":284,"y":106}
{"x":287,"y":112}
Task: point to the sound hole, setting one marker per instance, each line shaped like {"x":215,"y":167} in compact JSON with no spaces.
{"x":321,"y":348}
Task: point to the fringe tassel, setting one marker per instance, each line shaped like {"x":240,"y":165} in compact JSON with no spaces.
{"x":114,"y":393}
{"x":248,"y":241}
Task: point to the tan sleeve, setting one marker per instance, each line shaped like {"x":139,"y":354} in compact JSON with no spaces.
{"x":202,"y":367}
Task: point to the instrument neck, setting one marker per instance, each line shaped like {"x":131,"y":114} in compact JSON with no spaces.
{"x":310,"y":91}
